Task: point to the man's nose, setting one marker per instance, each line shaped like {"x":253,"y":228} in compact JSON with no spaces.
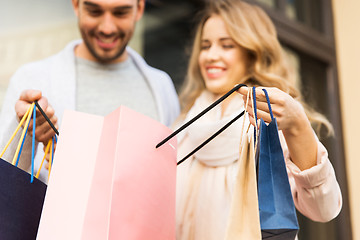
{"x":107,"y":25}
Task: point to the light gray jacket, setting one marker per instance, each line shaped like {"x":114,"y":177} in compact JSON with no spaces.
{"x":55,"y":77}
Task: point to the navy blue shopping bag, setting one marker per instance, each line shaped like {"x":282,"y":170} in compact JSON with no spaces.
{"x":278,"y":218}
{"x":21,"y":193}
{"x":20,"y":203}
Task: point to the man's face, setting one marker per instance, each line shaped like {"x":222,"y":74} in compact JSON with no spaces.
{"x":106,"y":27}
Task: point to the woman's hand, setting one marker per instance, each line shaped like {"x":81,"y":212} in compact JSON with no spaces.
{"x":289,"y":113}
{"x":291,"y":120}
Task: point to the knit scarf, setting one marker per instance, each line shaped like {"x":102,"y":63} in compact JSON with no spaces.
{"x":224,"y":149}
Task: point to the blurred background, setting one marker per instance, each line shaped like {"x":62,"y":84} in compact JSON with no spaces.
{"x":321,"y":36}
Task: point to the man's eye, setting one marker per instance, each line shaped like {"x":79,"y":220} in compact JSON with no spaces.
{"x":94,"y":12}
{"x":120,"y":13}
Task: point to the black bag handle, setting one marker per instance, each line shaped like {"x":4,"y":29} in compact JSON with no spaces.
{"x":237,"y":87}
{"x":46,"y":117}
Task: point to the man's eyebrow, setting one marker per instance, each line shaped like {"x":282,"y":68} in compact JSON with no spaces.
{"x":122,"y":8}
{"x":119,"y":8}
{"x":91,"y":4}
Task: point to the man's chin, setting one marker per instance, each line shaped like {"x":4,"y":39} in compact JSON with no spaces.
{"x":108,"y":57}
{"x":102,"y":59}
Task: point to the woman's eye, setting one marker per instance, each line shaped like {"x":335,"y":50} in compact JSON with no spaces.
{"x":228,"y":46}
{"x":204,"y":47}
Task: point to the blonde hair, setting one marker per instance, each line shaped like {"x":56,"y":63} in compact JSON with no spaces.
{"x":251,"y":28}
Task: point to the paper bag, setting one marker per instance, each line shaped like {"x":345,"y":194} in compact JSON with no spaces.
{"x":277,"y":210}
{"x":244,"y":214}
{"x":21,"y":194}
{"x":109,"y":181}
{"x":20,"y":203}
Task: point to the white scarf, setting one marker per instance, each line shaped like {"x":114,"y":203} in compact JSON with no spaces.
{"x":224,"y":149}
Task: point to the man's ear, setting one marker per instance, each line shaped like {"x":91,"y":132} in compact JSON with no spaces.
{"x":75,"y":4}
{"x":140,"y":9}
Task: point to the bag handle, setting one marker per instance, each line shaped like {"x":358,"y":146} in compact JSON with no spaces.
{"x":50,"y":145}
{"x":16,"y":158}
{"x":243,"y":125}
{"x":15,"y":132}
{"x":237,"y":87}
{"x":267,"y":100}
{"x":30,"y":113}
{"x":46,"y":118}
{"x":255,"y":109}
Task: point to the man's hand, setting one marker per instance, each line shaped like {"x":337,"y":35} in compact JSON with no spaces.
{"x":43,"y":131}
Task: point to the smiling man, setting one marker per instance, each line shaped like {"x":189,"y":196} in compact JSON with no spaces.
{"x":106,"y":28}
{"x":96,"y":75}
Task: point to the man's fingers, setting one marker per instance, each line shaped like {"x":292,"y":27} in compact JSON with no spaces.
{"x":44,"y":132}
{"x":44,"y":104}
{"x":50,"y":113}
{"x":43,"y":135}
{"x":30,"y":95}
{"x":20,"y":108}
{"x":26,"y":98}
{"x":40,"y":119}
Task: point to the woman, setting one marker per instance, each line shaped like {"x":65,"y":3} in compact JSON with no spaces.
{"x":237,"y":43}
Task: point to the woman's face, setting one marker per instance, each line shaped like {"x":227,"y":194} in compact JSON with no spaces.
{"x":222,"y":62}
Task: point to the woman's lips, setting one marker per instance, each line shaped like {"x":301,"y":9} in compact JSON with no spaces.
{"x":215,"y":72}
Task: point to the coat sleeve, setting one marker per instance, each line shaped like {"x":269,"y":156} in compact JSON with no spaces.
{"x":315,"y":191}
{"x":9,"y":121}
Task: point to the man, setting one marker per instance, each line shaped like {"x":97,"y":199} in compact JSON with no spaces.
{"x":95,"y":75}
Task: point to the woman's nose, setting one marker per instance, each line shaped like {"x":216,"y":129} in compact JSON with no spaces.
{"x":213,"y":53}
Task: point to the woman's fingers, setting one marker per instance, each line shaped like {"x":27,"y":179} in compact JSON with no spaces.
{"x":281,"y":103}
{"x":261,"y":114}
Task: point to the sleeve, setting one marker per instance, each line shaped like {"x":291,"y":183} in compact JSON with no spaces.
{"x":9,"y":121}
{"x":315,"y":191}
{"x":169,"y":98}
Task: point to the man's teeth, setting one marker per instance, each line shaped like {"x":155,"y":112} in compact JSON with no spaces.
{"x":214,"y":70}
{"x":111,"y":40}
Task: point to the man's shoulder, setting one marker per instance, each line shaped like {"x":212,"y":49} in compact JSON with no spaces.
{"x":45,"y":65}
{"x":34,"y":69}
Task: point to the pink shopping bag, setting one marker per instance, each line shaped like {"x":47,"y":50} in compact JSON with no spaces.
{"x":108,"y":180}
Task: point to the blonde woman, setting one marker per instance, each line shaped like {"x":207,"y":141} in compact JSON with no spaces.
{"x":237,"y":43}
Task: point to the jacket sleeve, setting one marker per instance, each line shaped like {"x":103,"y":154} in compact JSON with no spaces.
{"x":8,"y":121}
{"x":315,"y":191}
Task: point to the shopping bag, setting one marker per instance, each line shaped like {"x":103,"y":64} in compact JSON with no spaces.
{"x":277,"y":210}
{"x":244,"y":212}
{"x":21,"y":194}
{"x":20,"y":203}
{"x":108,"y":180}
